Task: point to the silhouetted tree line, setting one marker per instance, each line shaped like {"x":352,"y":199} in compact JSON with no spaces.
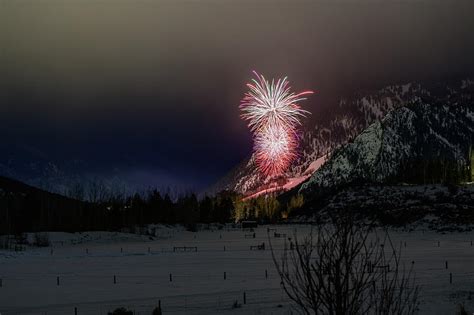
{"x":24,"y":208}
{"x":153,"y":207}
{"x":435,"y":171}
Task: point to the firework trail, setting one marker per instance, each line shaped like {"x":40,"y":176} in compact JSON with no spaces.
{"x":273,"y":116}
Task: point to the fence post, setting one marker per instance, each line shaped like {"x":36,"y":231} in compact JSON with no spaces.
{"x":450,"y":278}
{"x":121,"y":250}
{"x":446,"y":264}
{"x":225,"y":275}
{"x":115,"y":279}
{"x":75,"y":310}
{"x":245,"y":298}
{"x":57,"y":280}
{"x":266,"y":274}
{"x":1,"y":283}
{"x":171,"y":277}
{"x":224,"y":248}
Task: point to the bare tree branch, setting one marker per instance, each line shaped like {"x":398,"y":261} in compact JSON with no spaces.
{"x":346,"y":269}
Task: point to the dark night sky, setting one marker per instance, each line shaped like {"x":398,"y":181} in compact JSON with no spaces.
{"x":151,"y":88}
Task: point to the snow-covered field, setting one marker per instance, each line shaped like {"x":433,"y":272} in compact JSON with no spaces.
{"x":86,"y":264}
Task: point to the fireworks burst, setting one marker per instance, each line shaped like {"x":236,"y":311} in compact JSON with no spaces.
{"x":272,"y":104}
{"x":274,"y":149}
{"x":273,"y":116}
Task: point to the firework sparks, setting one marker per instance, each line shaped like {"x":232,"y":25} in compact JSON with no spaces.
{"x":272,"y":104}
{"x":274,"y":149}
{"x":273,"y":115}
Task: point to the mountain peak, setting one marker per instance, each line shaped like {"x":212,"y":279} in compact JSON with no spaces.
{"x":347,"y":120}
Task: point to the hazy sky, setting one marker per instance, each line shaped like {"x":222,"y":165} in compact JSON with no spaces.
{"x":153,"y":87}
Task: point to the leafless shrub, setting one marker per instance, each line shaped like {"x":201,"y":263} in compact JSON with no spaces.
{"x":342,"y":268}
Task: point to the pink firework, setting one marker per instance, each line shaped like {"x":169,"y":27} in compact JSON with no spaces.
{"x":273,"y":116}
{"x":275,"y":149}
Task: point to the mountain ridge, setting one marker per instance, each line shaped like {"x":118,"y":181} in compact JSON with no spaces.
{"x":411,"y":133}
{"x":351,"y":117}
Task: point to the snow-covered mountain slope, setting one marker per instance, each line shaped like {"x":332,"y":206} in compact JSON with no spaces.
{"x":345,"y":121}
{"x":417,"y":132}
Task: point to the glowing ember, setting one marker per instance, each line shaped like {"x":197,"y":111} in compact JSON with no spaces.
{"x":273,"y":116}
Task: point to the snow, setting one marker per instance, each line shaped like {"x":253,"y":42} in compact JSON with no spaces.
{"x":466,"y":83}
{"x":470,"y":115}
{"x":314,"y":166}
{"x":341,"y":166}
{"x":198,"y":287}
{"x":292,"y":182}
{"x":406,"y":88}
{"x":370,"y":143}
{"x":404,"y":134}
